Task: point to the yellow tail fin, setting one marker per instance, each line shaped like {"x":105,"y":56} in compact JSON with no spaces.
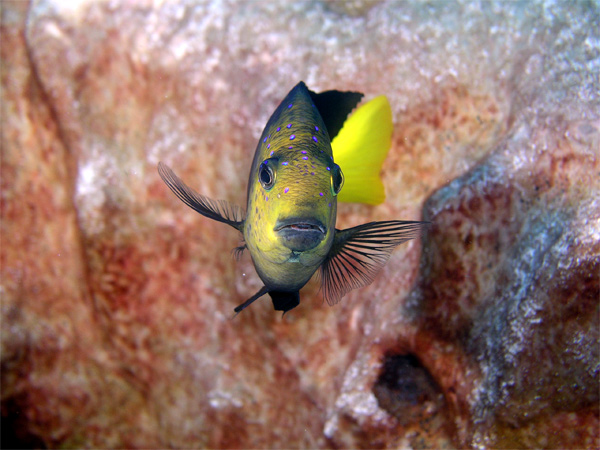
{"x":360,"y":149}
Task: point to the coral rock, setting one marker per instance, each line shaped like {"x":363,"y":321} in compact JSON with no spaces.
{"x":117,"y":300}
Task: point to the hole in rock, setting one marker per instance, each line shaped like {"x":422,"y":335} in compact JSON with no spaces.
{"x":406,"y":389}
{"x":16,"y":431}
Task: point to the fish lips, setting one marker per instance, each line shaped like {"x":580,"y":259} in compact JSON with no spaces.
{"x":300,"y":234}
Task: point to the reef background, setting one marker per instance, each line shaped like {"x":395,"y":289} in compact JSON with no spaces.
{"x":117,"y":299}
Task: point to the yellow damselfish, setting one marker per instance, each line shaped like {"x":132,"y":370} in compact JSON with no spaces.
{"x":289,"y":224}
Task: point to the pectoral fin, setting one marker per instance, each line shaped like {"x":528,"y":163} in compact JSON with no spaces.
{"x":219,"y":210}
{"x":358,"y":253}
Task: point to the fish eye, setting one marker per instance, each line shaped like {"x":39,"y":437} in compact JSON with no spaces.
{"x":337,"y":179}
{"x":266,"y":174}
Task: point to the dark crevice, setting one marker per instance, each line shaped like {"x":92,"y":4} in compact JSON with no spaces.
{"x":16,"y":432}
{"x":406,"y":389}
{"x":69,"y":156}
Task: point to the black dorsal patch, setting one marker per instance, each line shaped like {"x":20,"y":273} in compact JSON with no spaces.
{"x":334,"y":107}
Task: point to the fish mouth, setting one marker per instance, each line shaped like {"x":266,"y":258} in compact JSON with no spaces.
{"x":298,"y":224}
{"x":300,"y":234}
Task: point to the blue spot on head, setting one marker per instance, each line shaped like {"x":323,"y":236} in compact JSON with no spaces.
{"x":316,"y":128}
{"x":286,"y":190}
{"x":289,"y":125}
{"x":305,"y":158}
{"x":315,"y":139}
{"x":271,"y":154}
{"x":290,"y":147}
{"x":266,"y":198}
{"x":292,"y":137}
{"x":321,"y":194}
{"x":284,"y":163}
{"x":278,"y":128}
{"x":290,"y":105}
{"x":329,"y":168}
{"x":303,"y":152}
{"x":265,"y":140}
{"x":268,"y":145}
{"x":329,"y":205}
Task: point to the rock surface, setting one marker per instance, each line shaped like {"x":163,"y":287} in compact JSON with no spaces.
{"x":117,"y":300}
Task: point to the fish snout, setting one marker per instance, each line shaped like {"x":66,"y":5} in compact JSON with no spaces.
{"x":300,"y":234}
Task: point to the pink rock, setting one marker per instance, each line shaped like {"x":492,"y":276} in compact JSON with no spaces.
{"x":510,"y":278}
{"x":117,"y":300}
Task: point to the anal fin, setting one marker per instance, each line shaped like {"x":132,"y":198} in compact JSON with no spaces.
{"x":284,"y":301}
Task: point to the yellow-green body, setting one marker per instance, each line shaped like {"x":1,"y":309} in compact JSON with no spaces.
{"x":297,"y":138}
{"x":289,"y":225}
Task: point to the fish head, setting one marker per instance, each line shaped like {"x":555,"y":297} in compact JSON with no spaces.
{"x":292,"y":195}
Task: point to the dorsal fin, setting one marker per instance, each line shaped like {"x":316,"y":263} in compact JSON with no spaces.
{"x":334,"y":107}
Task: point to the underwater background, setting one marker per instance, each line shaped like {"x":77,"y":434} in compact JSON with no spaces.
{"x":117,"y":300}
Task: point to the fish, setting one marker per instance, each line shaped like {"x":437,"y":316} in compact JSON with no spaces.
{"x":289,"y":224}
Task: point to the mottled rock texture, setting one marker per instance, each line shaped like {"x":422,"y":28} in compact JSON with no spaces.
{"x":117,"y":299}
